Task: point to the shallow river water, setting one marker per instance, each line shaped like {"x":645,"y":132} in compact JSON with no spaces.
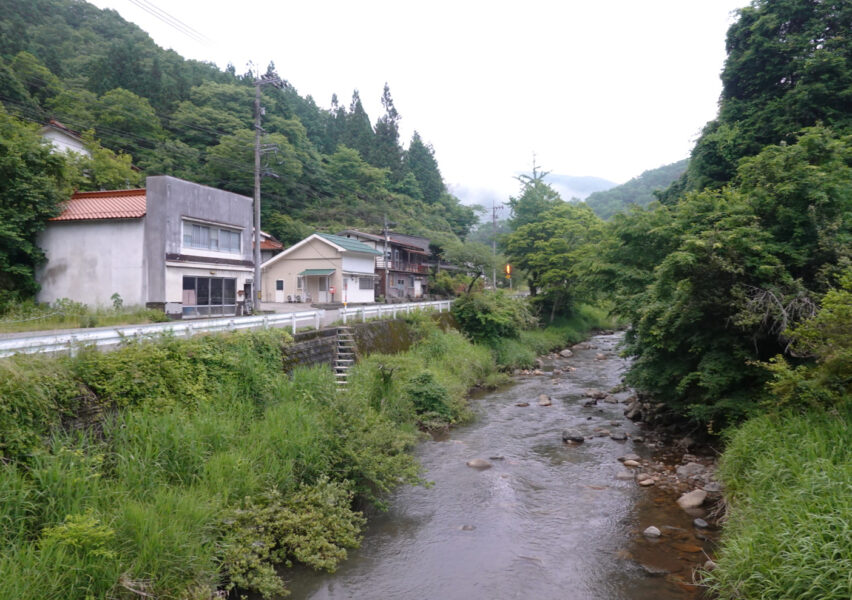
{"x":547,"y":521}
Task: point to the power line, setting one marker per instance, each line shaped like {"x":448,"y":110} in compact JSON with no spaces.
{"x":172,"y":21}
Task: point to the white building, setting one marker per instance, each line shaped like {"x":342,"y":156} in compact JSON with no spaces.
{"x":321,"y":268}
{"x":175,"y":245}
{"x":62,"y":138}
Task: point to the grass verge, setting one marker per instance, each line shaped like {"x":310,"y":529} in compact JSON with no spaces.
{"x":789,"y":486}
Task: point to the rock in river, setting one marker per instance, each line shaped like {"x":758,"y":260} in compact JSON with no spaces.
{"x":572,"y":435}
{"x":566,"y":353}
{"x":692,"y":499}
{"x":479,"y":463}
{"x":618,"y":436}
{"x":631,"y":463}
{"x":652,"y":532}
{"x":690,"y":469}
{"x":544,"y":400}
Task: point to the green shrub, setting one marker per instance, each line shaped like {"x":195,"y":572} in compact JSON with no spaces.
{"x":314,"y":526}
{"x":430,"y":398}
{"x":486,"y":317}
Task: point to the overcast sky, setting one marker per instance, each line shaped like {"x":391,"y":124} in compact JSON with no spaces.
{"x":606,"y":89}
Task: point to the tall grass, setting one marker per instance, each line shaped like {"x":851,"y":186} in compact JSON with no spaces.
{"x":521,"y":352}
{"x":66,"y":314}
{"x":210,"y":464}
{"x":789,"y":535}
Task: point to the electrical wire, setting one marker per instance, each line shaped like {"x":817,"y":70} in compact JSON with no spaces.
{"x":172,"y":21}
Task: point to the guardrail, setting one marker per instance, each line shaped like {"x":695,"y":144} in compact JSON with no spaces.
{"x":392,"y":310}
{"x":104,"y":338}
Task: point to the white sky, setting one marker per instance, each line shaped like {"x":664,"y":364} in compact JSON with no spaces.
{"x":604,"y":88}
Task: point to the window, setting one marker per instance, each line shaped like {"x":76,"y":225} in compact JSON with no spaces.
{"x":209,"y":296}
{"x":365,"y":283}
{"x":322,"y":282}
{"x":206,"y":237}
{"x":279,"y":285}
{"x":300,"y":282}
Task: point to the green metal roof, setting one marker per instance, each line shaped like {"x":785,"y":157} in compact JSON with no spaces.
{"x":314,"y":272}
{"x":349,"y":244}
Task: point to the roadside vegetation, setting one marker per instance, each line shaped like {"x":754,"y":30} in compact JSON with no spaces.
{"x":67,"y":314}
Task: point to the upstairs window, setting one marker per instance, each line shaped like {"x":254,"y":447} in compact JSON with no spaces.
{"x":208,"y":237}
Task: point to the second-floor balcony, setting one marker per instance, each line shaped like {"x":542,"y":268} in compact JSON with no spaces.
{"x":401,"y":266}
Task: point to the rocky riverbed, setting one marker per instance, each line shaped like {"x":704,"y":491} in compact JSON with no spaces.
{"x":553,"y":492}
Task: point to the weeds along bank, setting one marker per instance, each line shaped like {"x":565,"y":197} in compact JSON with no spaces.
{"x":789,"y":488}
{"x":197,"y":464}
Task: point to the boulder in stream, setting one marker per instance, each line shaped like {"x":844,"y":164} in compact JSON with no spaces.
{"x":692,"y":499}
{"x":544,"y":400}
{"x":566,"y":353}
{"x":479,"y":463}
{"x":572,"y":435}
{"x":652,"y":532}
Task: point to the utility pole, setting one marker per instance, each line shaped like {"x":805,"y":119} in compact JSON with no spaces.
{"x":494,"y":209}
{"x":268,"y":79}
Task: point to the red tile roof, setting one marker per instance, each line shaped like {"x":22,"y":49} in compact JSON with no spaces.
{"x":110,"y":204}
{"x":270,"y":244}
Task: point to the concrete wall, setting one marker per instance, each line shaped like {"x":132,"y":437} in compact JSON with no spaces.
{"x":170,"y":201}
{"x":89,"y":261}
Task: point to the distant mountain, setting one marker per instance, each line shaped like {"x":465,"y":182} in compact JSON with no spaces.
{"x":571,"y":186}
{"x":638,"y":190}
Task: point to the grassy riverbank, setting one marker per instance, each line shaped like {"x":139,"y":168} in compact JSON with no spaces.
{"x":789,"y":488}
{"x":522,"y":352}
{"x":202,"y":464}
{"x":179,"y":467}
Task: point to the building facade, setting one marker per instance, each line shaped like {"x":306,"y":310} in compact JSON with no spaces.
{"x":402,"y":267}
{"x":322,"y":268}
{"x":175,"y":245}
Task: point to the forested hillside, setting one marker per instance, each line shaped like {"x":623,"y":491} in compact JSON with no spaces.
{"x":326,"y":168}
{"x":639,"y":190}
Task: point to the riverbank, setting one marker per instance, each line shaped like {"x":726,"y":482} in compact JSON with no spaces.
{"x":152,"y":470}
{"x":789,"y":493}
{"x":177,"y":468}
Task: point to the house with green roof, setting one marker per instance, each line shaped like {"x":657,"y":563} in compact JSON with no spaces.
{"x":322,"y":268}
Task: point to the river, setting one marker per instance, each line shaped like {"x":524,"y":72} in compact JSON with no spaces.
{"x":548,"y":520}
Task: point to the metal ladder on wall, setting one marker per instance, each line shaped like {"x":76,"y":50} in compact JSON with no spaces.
{"x":345,"y":356}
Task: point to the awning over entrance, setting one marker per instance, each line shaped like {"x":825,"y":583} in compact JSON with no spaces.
{"x":316,"y":272}
{"x":357,"y":274}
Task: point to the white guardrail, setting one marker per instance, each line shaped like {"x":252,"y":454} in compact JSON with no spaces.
{"x":102,"y":338}
{"x":390,"y":310}
{"x":113,"y":336}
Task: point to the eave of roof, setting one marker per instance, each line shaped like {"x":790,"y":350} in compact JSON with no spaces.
{"x":349,"y":244}
{"x":104,"y":205}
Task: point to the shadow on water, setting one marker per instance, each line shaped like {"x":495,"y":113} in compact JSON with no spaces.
{"x":547,"y":520}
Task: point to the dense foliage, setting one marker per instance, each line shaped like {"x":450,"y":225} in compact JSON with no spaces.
{"x":789,"y":66}
{"x":750,"y":240}
{"x":638,"y":191}
{"x":96,"y":73}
